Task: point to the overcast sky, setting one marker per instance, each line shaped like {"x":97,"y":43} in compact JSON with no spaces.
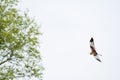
{"x":67,"y":27}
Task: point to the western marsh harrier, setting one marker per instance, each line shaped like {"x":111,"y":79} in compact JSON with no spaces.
{"x":93,"y":51}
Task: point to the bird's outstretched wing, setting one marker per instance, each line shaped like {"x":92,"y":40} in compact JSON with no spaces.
{"x":97,"y":58}
{"x":92,"y":47}
{"x":92,"y":43}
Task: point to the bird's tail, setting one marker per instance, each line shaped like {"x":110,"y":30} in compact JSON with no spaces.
{"x":99,"y":54}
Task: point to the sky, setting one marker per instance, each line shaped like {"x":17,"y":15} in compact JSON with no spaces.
{"x":67,"y":26}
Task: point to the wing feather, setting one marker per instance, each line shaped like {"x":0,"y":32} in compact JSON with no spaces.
{"x":92,"y":43}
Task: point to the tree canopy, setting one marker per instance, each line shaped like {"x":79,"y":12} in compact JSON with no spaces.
{"x":19,"y":43}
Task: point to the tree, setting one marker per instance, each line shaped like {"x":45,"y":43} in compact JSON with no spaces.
{"x":19,"y":44}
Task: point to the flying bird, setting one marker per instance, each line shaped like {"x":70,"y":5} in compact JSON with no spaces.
{"x":93,"y":51}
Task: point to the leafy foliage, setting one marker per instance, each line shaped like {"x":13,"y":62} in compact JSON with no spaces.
{"x":19,"y":44}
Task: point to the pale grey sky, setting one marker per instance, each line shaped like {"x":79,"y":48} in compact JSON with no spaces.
{"x":67,"y":27}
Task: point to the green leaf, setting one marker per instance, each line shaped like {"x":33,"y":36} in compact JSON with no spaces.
{"x":19,"y":53}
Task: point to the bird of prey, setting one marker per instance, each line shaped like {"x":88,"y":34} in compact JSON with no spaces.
{"x":93,"y":51}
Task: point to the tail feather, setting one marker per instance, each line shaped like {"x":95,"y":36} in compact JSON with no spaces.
{"x":99,"y":54}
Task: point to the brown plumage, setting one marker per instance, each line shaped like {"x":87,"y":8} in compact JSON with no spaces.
{"x":93,"y":51}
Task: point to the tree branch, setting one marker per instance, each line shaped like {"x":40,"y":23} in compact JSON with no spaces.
{"x":8,"y":59}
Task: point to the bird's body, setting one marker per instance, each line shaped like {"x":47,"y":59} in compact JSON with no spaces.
{"x":93,"y":51}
